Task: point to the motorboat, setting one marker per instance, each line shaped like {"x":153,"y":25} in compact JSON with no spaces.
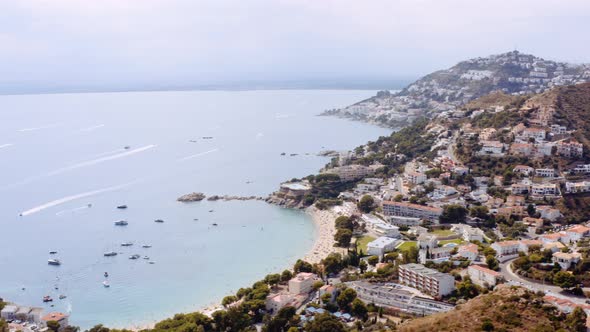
{"x":61,"y":297}
{"x":53,"y":262}
{"x":106,"y":274}
{"x":127,"y":147}
{"x":122,"y":207}
{"x":214,"y":224}
{"x":146,"y":257}
{"x":152,"y":262}
{"x":136,"y":256}
{"x":106,"y":284}
{"x":53,"y":252}
{"x":47,"y":298}
{"x":146,"y":246}
{"x":126,"y":244}
{"x":110,"y":254}
{"x":121,"y":223}
{"x":159,"y":220}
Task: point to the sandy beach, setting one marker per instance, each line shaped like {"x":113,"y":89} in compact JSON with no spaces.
{"x":324,"y":244}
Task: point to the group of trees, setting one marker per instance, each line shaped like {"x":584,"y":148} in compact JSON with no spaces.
{"x":344,"y":227}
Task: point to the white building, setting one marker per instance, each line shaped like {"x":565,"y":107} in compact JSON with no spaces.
{"x":545,"y":172}
{"x":577,"y":233}
{"x":426,"y":241}
{"x":505,"y":248}
{"x":523,"y":169}
{"x":302,"y":283}
{"x":404,"y":209}
{"x":469,"y":251}
{"x":492,"y":147}
{"x":577,"y":187}
{"x":483,"y":276}
{"x":380,"y":246}
{"x":351,"y":172}
{"x":545,"y":189}
{"x":9,"y":312}
{"x":415,"y":177}
{"x":566,"y":260}
{"x":59,"y":317}
{"x":427,"y":280}
{"x":549,"y":213}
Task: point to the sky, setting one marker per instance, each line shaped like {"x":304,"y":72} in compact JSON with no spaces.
{"x":135,"y":43}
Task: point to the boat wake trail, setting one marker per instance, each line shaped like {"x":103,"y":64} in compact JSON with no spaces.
{"x":198,"y":155}
{"x":92,"y":128}
{"x":39,"y":128}
{"x":73,"y":210}
{"x":101,"y":160}
{"x":2,"y":146}
{"x":71,"y":198}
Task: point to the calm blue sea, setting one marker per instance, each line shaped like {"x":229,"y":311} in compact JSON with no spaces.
{"x":59,"y":153}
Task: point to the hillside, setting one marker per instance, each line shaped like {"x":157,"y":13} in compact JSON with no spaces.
{"x":506,"y":309}
{"x":512,"y":73}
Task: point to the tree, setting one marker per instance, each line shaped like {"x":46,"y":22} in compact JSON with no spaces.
{"x":373,"y":260}
{"x":343,"y":237}
{"x":480,"y":212}
{"x":325,"y":322}
{"x":3,"y":325}
{"x":333,"y":263}
{"x":366,"y":204}
{"x":363,"y":266}
{"x":286,"y":276}
{"x":466,"y":289}
{"x":398,"y":198}
{"x":564,"y":280}
{"x":272,"y":279}
{"x":410,"y":255}
{"x":317,"y":285}
{"x":453,"y":213}
{"x":281,"y":321}
{"x":345,"y":298}
{"x":576,"y":321}
{"x":358,"y":309}
{"x":344,"y":222}
{"x":487,"y":325}
{"x":302,"y":266}
{"x":492,"y":263}
{"x":53,"y":325}
{"x":228,"y":300}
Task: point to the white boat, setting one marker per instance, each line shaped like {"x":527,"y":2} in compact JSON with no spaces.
{"x":136,"y":256}
{"x":106,"y":284}
{"x":110,"y":254}
{"x":121,"y":223}
{"x":146,"y":246}
{"x":53,"y":262}
{"x":126,"y":244}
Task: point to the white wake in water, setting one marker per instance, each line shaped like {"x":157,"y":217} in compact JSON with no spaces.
{"x":101,"y":160}
{"x":2,"y":146}
{"x":92,"y":128}
{"x":71,"y":198}
{"x":39,"y":128}
{"x":73,"y":210}
{"x":198,"y":155}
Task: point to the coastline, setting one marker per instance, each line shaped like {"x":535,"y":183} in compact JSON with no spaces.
{"x":323,"y":245}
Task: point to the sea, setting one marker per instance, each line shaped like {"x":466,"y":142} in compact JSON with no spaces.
{"x":68,"y":160}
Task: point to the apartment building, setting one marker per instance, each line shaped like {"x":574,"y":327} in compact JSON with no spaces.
{"x":404,"y":209}
{"x":427,"y":280}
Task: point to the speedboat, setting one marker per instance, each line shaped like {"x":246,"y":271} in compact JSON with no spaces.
{"x":61,"y":297}
{"x":214,"y":224}
{"x":127,"y":147}
{"x":121,"y":223}
{"x":122,"y":207}
{"x":146,"y":246}
{"x":47,"y":298}
{"x":106,"y":284}
{"x":106,"y":274}
{"x":159,"y":220}
{"x":53,"y":252}
{"x":53,"y":262}
{"x":136,"y":256}
{"x":126,"y":244}
{"x":110,"y":254}
{"x":146,"y":257}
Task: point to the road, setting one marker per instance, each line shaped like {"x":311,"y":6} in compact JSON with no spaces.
{"x":515,"y":279}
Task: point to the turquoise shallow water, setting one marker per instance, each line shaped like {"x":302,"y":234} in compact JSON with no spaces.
{"x":60,"y":153}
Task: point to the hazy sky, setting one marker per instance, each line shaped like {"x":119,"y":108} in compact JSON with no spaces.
{"x":102,"y":42}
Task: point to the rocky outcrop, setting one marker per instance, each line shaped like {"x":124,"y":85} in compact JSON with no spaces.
{"x":234,"y":198}
{"x":192,"y":197}
{"x":283,"y":201}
